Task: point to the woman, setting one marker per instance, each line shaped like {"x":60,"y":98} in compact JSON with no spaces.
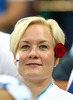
{"x":37,"y":45}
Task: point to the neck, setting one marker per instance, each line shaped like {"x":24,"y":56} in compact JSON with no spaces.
{"x":37,"y":86}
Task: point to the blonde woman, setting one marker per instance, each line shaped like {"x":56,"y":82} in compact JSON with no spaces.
{"x":37,"y":45}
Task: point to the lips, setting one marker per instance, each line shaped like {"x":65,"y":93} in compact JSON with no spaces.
{"x":34,"y":64}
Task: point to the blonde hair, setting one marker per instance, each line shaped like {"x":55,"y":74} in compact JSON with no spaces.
{"x":24,"y":23}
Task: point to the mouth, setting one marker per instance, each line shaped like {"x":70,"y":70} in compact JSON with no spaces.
{"x":33,"y":64}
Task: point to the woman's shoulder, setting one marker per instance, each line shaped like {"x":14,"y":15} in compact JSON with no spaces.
{"x":53,"y":92}
{"x":60,"y":93}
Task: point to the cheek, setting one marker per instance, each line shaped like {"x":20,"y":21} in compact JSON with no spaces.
{"x":48,"y":58}
{"x":22,"y":57}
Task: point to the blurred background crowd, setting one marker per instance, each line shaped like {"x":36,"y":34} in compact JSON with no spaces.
{"x":60,"y":10}
{"x":11,"y":11}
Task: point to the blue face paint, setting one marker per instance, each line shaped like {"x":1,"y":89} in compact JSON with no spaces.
{"x":17,"y":59}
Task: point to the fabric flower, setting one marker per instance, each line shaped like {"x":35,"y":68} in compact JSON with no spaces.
{"x":59,"y":50}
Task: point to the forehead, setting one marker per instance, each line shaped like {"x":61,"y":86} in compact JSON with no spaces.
{"x":38,"y":31}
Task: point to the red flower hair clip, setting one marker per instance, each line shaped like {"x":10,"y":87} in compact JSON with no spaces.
{"x":60,"y":50}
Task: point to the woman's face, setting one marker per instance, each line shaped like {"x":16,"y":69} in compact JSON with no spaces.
{"x":36,"y":52}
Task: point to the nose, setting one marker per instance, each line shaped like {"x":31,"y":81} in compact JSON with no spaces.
{"x":33,"y":54}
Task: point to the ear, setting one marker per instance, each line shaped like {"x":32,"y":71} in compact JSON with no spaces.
{"x":57,"y":61}
{"x":14,"y":59}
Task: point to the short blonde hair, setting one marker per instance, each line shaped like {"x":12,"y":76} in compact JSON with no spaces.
{"x":23,"y":24}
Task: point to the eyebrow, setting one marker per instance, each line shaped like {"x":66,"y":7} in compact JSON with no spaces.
{"x":22,"y":41}
{"x":39,"y":41}
{"x":44,"y":41}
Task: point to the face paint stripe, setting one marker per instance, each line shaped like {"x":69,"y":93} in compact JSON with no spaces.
{"x":17,"y":60}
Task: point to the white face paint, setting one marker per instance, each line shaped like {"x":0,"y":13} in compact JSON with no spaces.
{"x":17,"y":59}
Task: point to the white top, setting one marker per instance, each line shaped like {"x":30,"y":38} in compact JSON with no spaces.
{"x":53,"y":92}
{"x":4,"y":41}
{"x":71,"y":51}
{"x":7,"y":65}
{"x":70,"y":83}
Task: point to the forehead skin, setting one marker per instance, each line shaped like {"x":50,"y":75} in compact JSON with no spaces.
{"x":4,"y":95}
{"x":36,"y":30}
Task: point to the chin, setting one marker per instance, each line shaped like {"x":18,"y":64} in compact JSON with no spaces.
{"x":33,"y":74}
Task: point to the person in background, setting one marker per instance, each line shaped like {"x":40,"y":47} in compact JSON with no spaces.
{"x":63,"y":70}
{"x":65,"y":20}
{"x":7,"y":66}
{"x":4,"y":41}
{"x":11,"y":11}
{"x":12,"y":89}
{"x":70,"y":83}
{"x":37,"y":45}
{"x":10,"y":85}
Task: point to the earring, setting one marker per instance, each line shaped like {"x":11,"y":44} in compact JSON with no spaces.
{"x":55,"y":66}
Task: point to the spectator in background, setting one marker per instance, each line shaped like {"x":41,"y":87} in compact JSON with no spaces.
{"x":65,"y":20}
{"x":70,"y":83}
{"x":11,"y":12}
{"x":12,"y":89}
{"x":4,"y":41}
{"x":63,"y":70}
{"x":7,"y":66}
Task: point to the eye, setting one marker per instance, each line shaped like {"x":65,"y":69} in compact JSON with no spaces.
{"x":25,"y":47}
{"x":43,"y":47}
